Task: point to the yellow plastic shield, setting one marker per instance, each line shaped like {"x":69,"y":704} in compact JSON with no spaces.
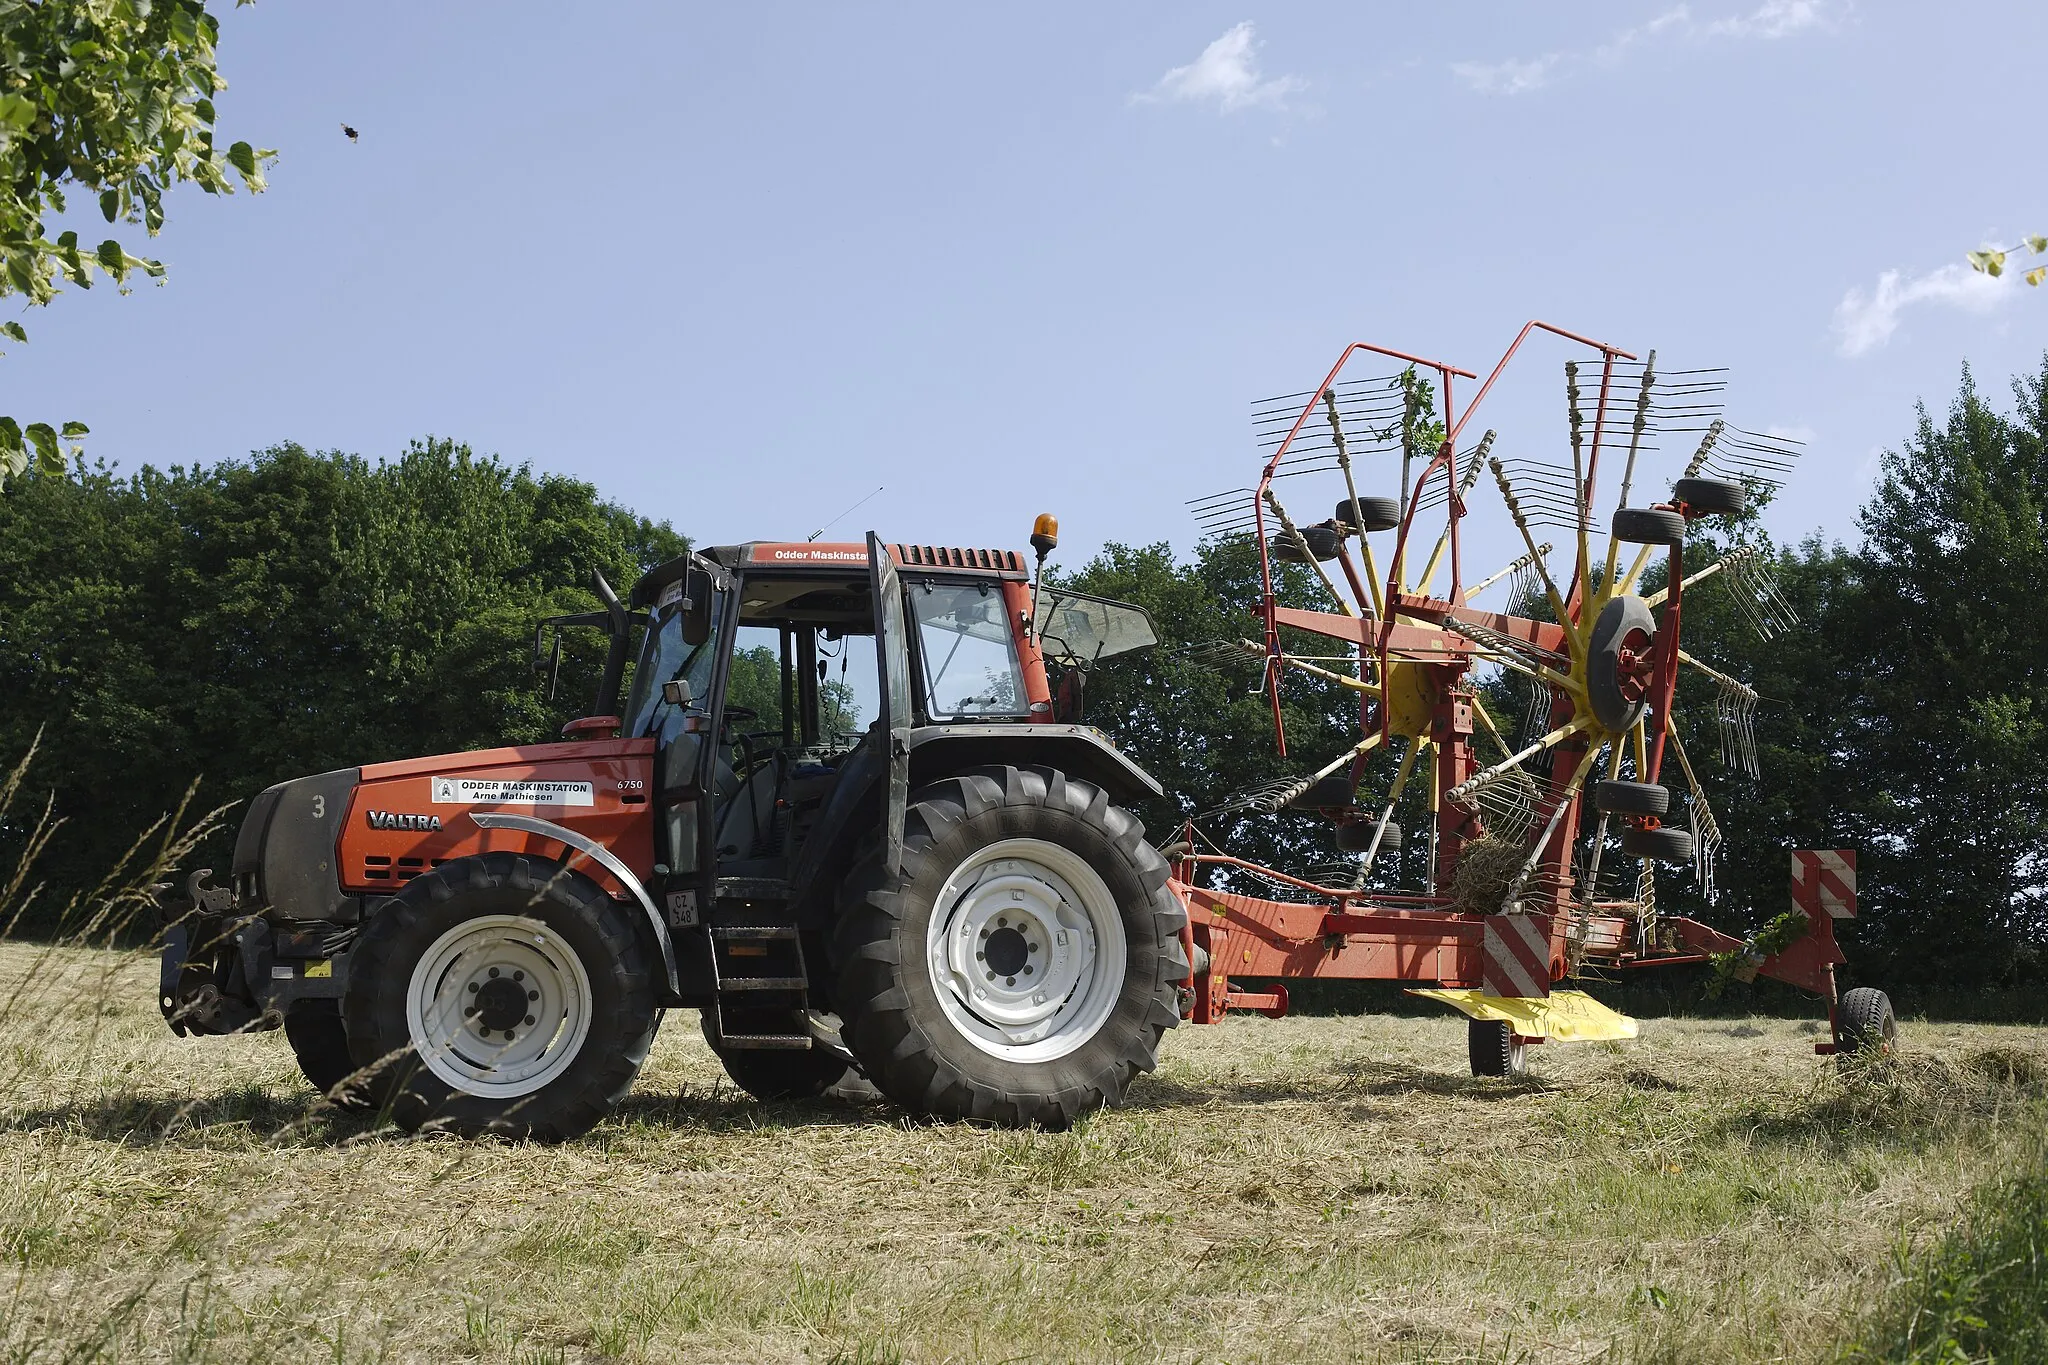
{"x":1562,"y":1017}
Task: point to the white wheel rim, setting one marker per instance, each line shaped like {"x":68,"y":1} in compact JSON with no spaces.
{"x":1026,"y":950}
{"x":460,"y":1010}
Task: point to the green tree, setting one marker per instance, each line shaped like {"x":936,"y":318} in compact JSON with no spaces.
{"x":284,"y":614}
{"x":113,"y":97}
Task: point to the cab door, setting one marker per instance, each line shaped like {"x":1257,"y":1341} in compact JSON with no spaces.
{"x":892,"y":646}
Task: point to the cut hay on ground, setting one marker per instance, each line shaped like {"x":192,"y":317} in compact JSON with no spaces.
{"x":1301,"y":1190}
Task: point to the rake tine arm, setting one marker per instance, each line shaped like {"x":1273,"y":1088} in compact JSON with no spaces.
{"x":1486,"y":776}
{"x":1564,"y":801}
{"x":1526,"y":561}
{"x":1294,"y":533}
{"x":1507,"y":493}
{"x":1657,"y":598}
{"x":1480,"y":455}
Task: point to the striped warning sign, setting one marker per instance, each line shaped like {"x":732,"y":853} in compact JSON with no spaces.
{"x":1824,"y":879}
{"x":1516,"y":959}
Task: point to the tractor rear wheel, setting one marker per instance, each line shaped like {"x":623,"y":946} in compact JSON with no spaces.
{"x":502,"y":994}
{"x":1493,"y":1050}
{"x":1864,"y":1026}
{"x":314,"y":1029}
{"x":1024,"y":965}
{"x":778,"y":1073}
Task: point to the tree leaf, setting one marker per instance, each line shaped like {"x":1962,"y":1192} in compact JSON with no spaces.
{"x":243,"y":158}
{"x":16,"y":111}
{"x":2037,"y":244}
{"x":2036,"y":275}
{"x":15,"y":330}
{"x":113,"y":259}
{"x":43,"y":437}
{"x":10,"y":435}
{"x":204,"y":108}
{"x":74,"y":430}
{"x":110,"y":204}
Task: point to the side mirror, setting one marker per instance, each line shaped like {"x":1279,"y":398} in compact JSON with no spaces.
{"x":697,"y":607}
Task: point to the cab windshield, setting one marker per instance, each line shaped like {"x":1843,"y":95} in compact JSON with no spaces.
{"x":664,"y":657}
{"x":969,"y":655}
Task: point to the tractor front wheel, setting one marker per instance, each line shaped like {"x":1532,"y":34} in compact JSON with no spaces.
{"x":502,"y":994}
{"x":314,"y":1029}
{"x":1023,"y":965}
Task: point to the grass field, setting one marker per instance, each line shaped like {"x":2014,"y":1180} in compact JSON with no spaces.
{"x":1305,"y":1190}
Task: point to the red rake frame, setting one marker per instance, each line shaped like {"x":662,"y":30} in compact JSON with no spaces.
{"x":1344,"y":933}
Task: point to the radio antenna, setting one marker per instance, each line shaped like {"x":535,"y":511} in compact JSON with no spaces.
{"x":841,"y":517}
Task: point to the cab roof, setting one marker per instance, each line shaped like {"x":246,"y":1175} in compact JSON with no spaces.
{"x":833,"y":557}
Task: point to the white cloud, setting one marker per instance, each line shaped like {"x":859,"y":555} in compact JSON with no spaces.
{"x":1770,"y":20}
{"x":1505,"y":78}
{"x":1866,"y":321}
{"x":1226,"y":72}
{"x":1775,"y":19}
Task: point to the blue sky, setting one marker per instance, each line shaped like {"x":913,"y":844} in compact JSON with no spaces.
{"x":739,"y":265}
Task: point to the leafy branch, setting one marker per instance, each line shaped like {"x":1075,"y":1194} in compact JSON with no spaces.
{"x":1991,"y":260}
{"x":116,"y":97}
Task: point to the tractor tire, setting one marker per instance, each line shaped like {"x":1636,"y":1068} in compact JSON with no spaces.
{"x":314,"y":1029}
{"x":1664,"y":844}
{"x":564,"y":991}
{"x":1355,"y":836}
{"x":1864,"y":1026}
{"x":1648,"y":526}
{"x":1374,"y":514}
{"x":1711,"y":497}
{"x":1493,"y":1050}
{"x":1093,"y":922}
{"x":776,"y":1074}
{"x":1632,"y":798}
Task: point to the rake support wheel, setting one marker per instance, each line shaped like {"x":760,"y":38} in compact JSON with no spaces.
{"x":1711,"y":497}
{"x":1494,"y":1050}
{"x":1632,"y":798}
{"x":1864,"y":1025}
{"x":1663,"y":844}
{"x":1374,"y":514}
{"x":1648,"y":526}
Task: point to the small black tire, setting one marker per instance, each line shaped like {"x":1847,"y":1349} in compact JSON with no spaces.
{"x":1711,"y":497}
{"x":1864,"y":1025}
{"x":772,"y":1074}
{"x":559,"y":924}
{"x":1648,"y":526}
{"x":1355,"y":836}
{"x":1494,"y":1050}
{"x":314,"y":1029}
{"x":1374,"y":514}
{"x":1618,"y":695}
{"x":1324,"y":541}
{"x":1616,"y":797}
{"x":1664,"y":844}
{"x":1334,"y":792}
{"x":939,"y":1056}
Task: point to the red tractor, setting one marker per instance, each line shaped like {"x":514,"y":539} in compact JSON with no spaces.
{"x":838,"y":810}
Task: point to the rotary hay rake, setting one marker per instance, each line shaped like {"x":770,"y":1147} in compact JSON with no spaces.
{"x":1505,"y":909}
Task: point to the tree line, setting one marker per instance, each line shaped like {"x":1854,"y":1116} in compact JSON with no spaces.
{"x":293,"y":611}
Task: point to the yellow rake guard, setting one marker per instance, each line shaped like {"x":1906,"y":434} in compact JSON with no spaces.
{"x":1562,"y":1017}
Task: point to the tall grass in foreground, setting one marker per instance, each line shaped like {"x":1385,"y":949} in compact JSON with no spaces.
{"x":1981,"y":1292}
{"x":104,"y":915}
